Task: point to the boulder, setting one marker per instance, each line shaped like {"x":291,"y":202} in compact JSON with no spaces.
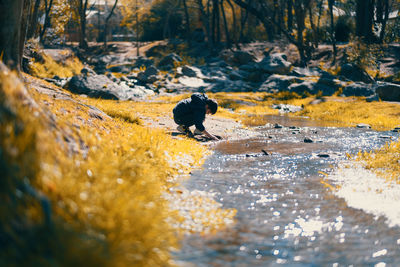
{"x":331,"y":82}
{"x":358,"y":89}
{"x":249,"y":67}
{"x":276,"y":63}
{"x":97,"y":86}
{"x":230,"y":86}
{"x":372,"y":98}
{"x":143,"y":62}
{"x":169,"y":61}
{"x":325,"y":89}
{"x":125,"y":69}
{"x":277,"y":83}
{"x":388,"y":91}
{"x":243,"y":57}
{"x":100,"y":86}
{"x":149,"y":75}
{"x":87,"y":71}
{"x":301,"y":88}
{"x":256,"y":76}
{"x":305,"y":72}
{"x":286,"y":108}
{"x":151,"y":70}
{"x":188,"y":71}
{"x":235,"y":76}
{"x":355,"y":73}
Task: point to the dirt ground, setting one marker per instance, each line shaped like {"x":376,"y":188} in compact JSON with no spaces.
{"x":227,"y":129}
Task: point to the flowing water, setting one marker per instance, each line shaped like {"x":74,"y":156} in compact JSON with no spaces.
{"x":285,"y":215}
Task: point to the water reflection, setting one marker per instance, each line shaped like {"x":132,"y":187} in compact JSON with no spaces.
{"x":285,"y":215}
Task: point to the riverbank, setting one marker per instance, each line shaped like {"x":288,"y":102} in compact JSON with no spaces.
{"x":96,"y":165}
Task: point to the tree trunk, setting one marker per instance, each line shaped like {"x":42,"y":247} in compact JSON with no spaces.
{"x":82,"y":7}
{"x":384,"y":21}
{"x":314,"y":30}
{"x":320,"y":11}
{"x":106,"y":24}
{"x":331,"y":3}
{"x":300,"y":15}
{"x":234,"y":23}
{"x":24,"y":27}
{"x":215,"y":25}
{"x":228,"y":39}
{"x":364,"y":19}
{"x":243,"y":20}
{"x":289,"y":15}
{"x":204,"y":20}
{"x":187,"y":19}
{"x":46,"y":24}
{"x":10,"y":32}
{"x":33,"y":22}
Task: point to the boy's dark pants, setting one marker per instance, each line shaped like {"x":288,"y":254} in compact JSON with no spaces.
{"x":185,"y":120}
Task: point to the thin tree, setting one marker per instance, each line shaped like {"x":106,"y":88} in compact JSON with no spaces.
{"x":81,"y":7}
{"x":382,"y":14}
{"x":204,"y":20}
{"x":187,"y":19}
{"x":32,"y":27}
{"x":333,"y":37}
{"x":47,"y":10}
{"x":234,"y":23}
{"x":105,"y":33}
{"x":227,"y":36}
{"x":289,"y":15}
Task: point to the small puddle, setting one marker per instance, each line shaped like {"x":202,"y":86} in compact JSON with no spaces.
{"x":284,"y":214}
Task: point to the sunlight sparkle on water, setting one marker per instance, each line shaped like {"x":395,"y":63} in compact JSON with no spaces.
{"x":379,"y":253}
{"x":308,"y":228}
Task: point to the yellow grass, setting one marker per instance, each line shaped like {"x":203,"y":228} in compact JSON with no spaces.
{"x":104,"y":179}
{"x":50,"y":68}
{"x":384,"y":161}
{"x":352,"y":111}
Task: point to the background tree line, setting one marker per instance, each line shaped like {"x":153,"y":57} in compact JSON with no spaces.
{"x":219,"y":23}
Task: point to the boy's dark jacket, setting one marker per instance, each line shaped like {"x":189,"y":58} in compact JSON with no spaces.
{"x":192,"y":110}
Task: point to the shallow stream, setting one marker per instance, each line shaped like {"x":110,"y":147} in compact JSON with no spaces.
{"x":285,"y":215}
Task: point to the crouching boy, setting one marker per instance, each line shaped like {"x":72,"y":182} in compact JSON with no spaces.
{"x":192,"y":111}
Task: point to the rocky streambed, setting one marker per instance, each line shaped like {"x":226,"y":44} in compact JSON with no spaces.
{"x":288,"y":210}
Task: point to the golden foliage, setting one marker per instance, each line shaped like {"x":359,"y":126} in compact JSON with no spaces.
{"x":103,"y":178}
{"x":50,"y":68}
{"x":383,"y":161}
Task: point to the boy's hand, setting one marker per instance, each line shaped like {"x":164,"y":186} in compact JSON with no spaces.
{"x":212,"y":137}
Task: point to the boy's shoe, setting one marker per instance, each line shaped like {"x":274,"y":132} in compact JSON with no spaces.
{"x":185,"y":130}
{"x":197,"y":132}
{"x":182,"y":129}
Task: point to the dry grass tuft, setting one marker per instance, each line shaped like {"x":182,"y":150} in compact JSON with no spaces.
{"x":50,"y":68}
{"x":85,"y":190}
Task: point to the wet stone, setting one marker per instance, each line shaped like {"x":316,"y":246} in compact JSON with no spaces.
{"x":308,"y":140}
{"x":363,"y":126}
{"x":265,"y":152}
{"x":278,"y":126}
{"x":323,"y":155}
{"x":396,"y":129}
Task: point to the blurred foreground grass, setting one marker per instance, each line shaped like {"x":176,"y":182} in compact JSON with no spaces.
{"x":79,"y":187}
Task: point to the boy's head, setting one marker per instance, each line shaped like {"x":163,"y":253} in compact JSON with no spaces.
{"x":212,"y":105}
